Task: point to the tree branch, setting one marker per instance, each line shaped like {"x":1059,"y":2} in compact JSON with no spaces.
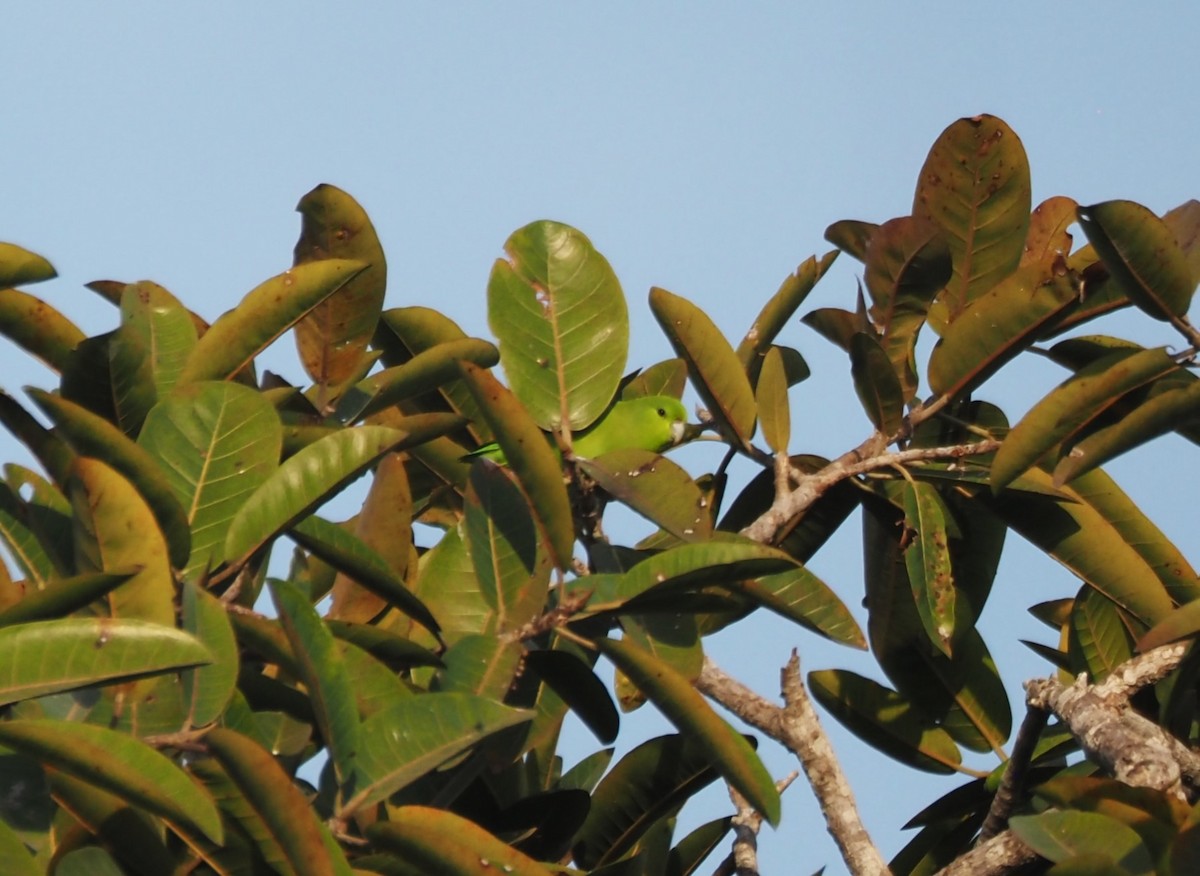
{"x":797,"y":727}
{"x":867,"y":457}
{"x":1130,"y":747}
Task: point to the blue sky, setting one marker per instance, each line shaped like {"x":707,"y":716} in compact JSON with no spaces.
{"x":703,"y":147}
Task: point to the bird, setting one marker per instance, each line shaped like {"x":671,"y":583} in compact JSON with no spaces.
{"x":651,"y":422}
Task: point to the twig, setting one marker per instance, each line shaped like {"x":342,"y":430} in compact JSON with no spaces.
{"x":1015,"y":772}
{"x":867,"y":457}
{"x":797,"y":727}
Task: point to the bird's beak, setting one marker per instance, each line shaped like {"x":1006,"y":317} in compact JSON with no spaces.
{"x":678,"y":432}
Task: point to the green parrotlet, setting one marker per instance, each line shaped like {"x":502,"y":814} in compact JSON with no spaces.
{"x":652,"y":422}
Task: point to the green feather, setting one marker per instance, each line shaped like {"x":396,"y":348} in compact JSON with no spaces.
{"x":652,"y":422}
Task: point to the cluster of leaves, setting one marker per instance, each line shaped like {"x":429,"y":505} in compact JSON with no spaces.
{"x":156,"y":718}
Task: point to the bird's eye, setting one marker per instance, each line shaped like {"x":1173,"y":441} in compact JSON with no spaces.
{"x":662,"y":412}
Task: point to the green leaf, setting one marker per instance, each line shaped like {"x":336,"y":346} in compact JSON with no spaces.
{"x":350,"y":556}
{"x":772,"y":402}
{"x":1158,"y":415}
{"x":885,"y":720}
{"x":115,"y":531}
{"x":306,"y":480}
{"x":449,"y":845}
{"x":1097,"y":636}
{"x":120,"y":764}
{"x":1060,"y":836}
{"x":674,"y":695}
{"x":1173,"y":569}
{"x":716,"y":371}
{"x":907,"y":264}
{"x":19,"y":266}
{"x":668,"y":377}
{"x":1048,"y":238}
{"x":1180,"y":623}
{"x":404,"y":742}
{"x":217,"y":442}
{"x":22,"y":542}
{"x":73,"y":652}
{"x":424,"y":372}
{"x":502,"y":539}
{"x":660,"y":577}
{"x":775,"y":315}
{"x":975,"y":185}
{"x":1140,"y":252}
{"x":1092,"y":534}
{"x":928,"y":562}
{"x":648,"y":784}
{"x":802,"y":597}
{"x":997,"y":326}
{"x":536,"y":465}
{"x":46,"y":446}
{"x":37,"y":328}
{"x":836,"y":325}
{"x":1074,"y":403}
{"x":446,"y":583}
{"x":270,"y":309}
{"x":91,"y":435}
{"x":277,"y":803}
{"x":560,"y":316}
{"x":876,"y":383}
{"x":332,"y":338}
{"x":17,"y":858}
{"x":480,"y":664}
{"x":208,"y":689}
{"x":655,"y":487}
{"x":322,"y":669}
{"x":62,"y":596}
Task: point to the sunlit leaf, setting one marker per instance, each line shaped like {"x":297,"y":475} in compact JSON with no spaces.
{"x":997,"y":326}
{"x":449,"y":845}
{"x":115,"y":531}
{"x":1060,"y":836}
{"x":655,"y":487}
{"x":1048,"y":237}
{"x":267,"y":311}
{"x":1140,"y":252}
{"x":535,"y":463}
{"x":802,"y":597}
{"x":323,"y":671}
{"x":715,"y":369}
{"x":975,"y":185}
{"x":778,"y":310}
{"x":278,"y":804}
{"x":560,"y":316}
{"x":62,"y":596}
{"x":502,"y":539}
{"x":37,"y":328}
{"x":413,"y":737}
{"x":19,"y":266}
{"x":208,"y":689}
{"x":1072,"y":405}
{"x":332,"y":338}
{"x":928,"y":561}
{"x":772,"y":399}
{"x":91,"y":435}
{"x":217,"y":442}
{"x":306,"y":480}
{"x":40,"y":658}
{"x":118,"y":763}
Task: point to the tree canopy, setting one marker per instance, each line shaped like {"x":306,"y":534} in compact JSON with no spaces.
{"x":183,"y":627}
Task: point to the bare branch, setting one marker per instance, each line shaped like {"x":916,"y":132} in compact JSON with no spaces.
{"x":1131,"y":747}
{"x":868,"y":456}
{"x":797,"y":727}
{"x":1000,"y":855}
